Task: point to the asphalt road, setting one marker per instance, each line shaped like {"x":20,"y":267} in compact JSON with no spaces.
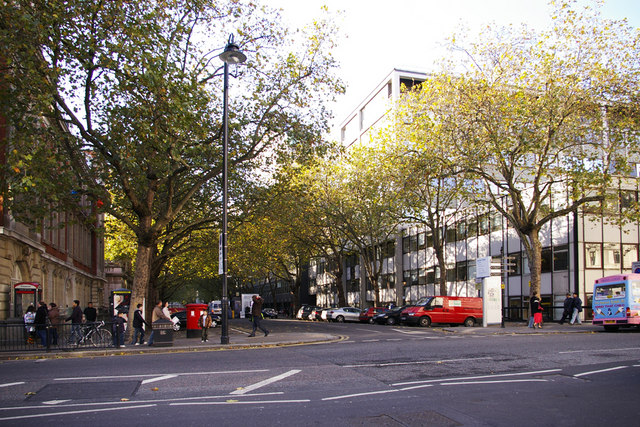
{"x":376,"y":375}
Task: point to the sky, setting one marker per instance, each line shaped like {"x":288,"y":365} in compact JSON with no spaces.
{"x":379,"y":35}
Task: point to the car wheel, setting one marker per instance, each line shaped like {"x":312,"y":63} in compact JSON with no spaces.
{"x":425,"y":321}
{"x":391,"y":321}
{"x":469,"y":322}
{"x":340,"y":319}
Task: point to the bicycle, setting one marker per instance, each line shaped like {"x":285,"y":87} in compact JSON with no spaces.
{"x":93,"y":334}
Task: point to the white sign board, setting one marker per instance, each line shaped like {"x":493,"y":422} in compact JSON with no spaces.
{"x":220,"y":256}
{"x":483,"y":267}
{"x":491,"y":301}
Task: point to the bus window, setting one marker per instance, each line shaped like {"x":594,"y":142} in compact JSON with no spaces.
{"x":635,"y":288}
{"x":610,"y":291}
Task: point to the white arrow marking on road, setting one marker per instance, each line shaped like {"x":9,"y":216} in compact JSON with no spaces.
{"x":164,"y":377}
{"x":265,"y":382}
{"x":55,"y":402}
{"x":11,"y":384}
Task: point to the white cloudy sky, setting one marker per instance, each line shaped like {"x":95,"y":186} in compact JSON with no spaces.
{"x":379,"y":35}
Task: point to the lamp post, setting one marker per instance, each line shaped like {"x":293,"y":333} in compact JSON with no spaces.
{"x":231,"y":55}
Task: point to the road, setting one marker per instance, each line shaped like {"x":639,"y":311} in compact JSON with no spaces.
{"x":375,"y":375}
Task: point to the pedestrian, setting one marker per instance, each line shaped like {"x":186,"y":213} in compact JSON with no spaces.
{"x":90,"y":313}
{"x":54,"y":319}
{"x":256,"y":316}
{"x":568,"y":308}
{"x":156,"y":315}
{"x":76,"y":321}
{"x":30,"y":330}
{"x":138,"y":322}
{"x":577,"y":309}
{"x":536,"y":309}
{"x":205,"y":322}
{"x":40,"y":322}
{"x":532,"y":302}
{"x":118,"y":329}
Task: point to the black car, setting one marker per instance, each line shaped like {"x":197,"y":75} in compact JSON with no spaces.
{"x":269,"y":313}
{"x":390,"y":317}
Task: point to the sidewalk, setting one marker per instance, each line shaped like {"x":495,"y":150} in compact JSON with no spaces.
{"x":513,"y":328}
{"x":238,"y":339}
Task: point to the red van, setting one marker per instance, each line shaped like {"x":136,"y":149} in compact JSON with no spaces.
{"x":465,"y":311}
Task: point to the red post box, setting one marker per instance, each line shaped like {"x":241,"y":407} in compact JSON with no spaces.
{"x":194,"y":311}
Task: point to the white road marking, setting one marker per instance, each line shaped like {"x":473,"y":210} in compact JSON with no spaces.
{"x":601,"y":370}
{"x":265,"y":382}
{"x":55,"y":402}
{"x":532,"y":380}
{"x":416,"y":386}
{"x":419,"y":362}
{"x":164,"y":377}
{"x":369,"y":393}
{"x":408,"y":332}
{"x":11,"y":384}
{"x":600,"y":350}
{"x":478,"y":377}
{"x":177,"y":374}
{"x":370,"y":340}
{"x":394,"y":339}
{"x":239,"y":402}
{"x":52,"y":414}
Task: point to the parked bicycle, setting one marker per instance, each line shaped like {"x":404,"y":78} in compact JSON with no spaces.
{"x":93,"y":334}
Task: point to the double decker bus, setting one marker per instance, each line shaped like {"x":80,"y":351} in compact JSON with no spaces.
{"x":616,"y":301}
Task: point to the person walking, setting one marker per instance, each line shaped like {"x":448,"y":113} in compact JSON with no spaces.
{"x":138,"y":322}
{"x":536,"y":310}
{"x":54,"y":318}
{"x":156,"y":315}
{"x":76,"y":321}
{"x":577,"y":309}
{"x":90,"y":313}
{"x":40,"y":322}
{"x":532,"y":303}
{"x":205,"y":322}
{"x":568,"y":308}
{"x":256,"y":316}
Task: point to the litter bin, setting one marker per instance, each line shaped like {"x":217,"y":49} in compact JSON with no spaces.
{"x":194,"y":311}
{"x":162,"y":333}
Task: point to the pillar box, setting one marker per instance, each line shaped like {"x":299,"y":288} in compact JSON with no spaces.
{"x":194,"y":311}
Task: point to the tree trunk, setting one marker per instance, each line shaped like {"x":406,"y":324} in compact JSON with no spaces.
{"x":535,"y":262}
{"x":140,"y":288}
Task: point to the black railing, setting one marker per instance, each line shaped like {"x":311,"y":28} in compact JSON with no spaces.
{"x":65,"y":337}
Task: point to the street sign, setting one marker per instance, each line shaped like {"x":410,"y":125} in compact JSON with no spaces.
{"x":483,"y":267}
{"x":220,"y":256}
{"x":491,"y":301}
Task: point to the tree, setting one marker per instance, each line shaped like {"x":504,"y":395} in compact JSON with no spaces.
{"x":536,"y":122}
{"x":137,"y":85}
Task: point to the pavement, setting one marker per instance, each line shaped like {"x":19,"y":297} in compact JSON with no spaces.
{"x":239,"y":340}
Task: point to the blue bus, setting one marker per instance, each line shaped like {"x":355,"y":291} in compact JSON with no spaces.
{"x":616,"y":301}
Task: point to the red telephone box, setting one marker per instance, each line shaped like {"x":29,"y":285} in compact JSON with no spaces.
{"x":194,"y":311}
{"x":25,"y":294}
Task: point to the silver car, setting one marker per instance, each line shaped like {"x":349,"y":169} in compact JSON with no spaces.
{"x":342,"y":314}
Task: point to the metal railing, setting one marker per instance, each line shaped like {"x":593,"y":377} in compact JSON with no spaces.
{"x":64,"y":337}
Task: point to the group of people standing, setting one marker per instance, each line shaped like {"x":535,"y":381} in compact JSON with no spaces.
{"x":44,"y":322}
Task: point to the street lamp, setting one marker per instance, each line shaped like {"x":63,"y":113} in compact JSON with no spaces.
{"x":231,"y":55}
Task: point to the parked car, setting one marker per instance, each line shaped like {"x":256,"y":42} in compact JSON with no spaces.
{"x":389,"y":317}
{"x":444,"y":309}
{"x":269,"y":313}
{"x":366,"y":315}
{"x":301,"y":311}
{"x":343,"y":314}
{"x":316,"y":313}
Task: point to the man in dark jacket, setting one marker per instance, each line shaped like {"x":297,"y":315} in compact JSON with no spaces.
{"x":138,"y":321}
{"x":76,"y":321}
{"x":256,"y":316}
{"x":568,"y":308}
{"x":577,"y":309}
{"x":41,"y":322}
{"x":90,"y":313}
{"x":118,"y":329}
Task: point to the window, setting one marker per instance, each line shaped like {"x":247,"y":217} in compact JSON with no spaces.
{"x":461,"y":273}
{"x":406,"y":277}
{"x":406,"y":248}
{"x":472,"y":228}
{"x":431,"y":276}
{"x":451,"y":274}
{"x":611,"y":255}
{"x":629,"y":255}
{"x":460,"y":231}
{"x":560,"y":258}
{"x":593,"y":255}
{"x":627,"y":199}
{"x":413,"y":243}
{"x":429,"y":240}
{"x":388,"y":249}
{"x":496,"y":222}
{"x":546,"y":266}
{"x":483,"y":225}
{"x":451,"y":235}
{"x":422,"y":276}
{"x":422,"y":238}
{"x":610,"y":291}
